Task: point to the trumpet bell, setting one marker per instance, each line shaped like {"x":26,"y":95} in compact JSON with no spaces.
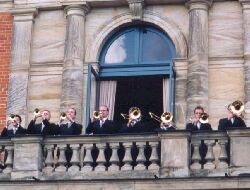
{"x":134,"y":113}
{"x":237,"y":107}
{"x":12,"y":117}
{"x":204,"y":118}
{"x":166,"y":117}
{"x":96,"y":114}
{"x":36,"y":112}
{"x":63,"y":115}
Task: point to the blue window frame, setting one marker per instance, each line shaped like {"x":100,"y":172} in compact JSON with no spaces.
{"x":136,"y":51}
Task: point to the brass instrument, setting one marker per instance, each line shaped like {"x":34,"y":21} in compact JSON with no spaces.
{"x":12,"y":117}
{"x":204,"y":118}
{"x":96,"y":114}
{"x":36,"y":112}
{"x":165,"y":118}
{"x":134,"y":114}
{"x":63,"y":115}
{"x":237,"y":108}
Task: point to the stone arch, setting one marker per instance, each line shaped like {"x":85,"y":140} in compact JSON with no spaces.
{"x":168,"y":26}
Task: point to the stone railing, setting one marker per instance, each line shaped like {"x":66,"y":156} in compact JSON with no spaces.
{"x":144,"y":156}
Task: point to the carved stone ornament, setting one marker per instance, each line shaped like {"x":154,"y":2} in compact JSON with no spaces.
{"x":136,"y":9}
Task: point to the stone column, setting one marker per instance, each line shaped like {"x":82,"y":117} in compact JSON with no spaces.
{"x":197,"y":86}
{"x":246,"y":26}
{"x":72,"y":77}
{"x":20,"y":61}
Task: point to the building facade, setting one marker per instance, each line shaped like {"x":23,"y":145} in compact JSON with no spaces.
{"x":53,"y":42}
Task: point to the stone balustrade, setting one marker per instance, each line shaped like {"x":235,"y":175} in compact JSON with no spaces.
{"x":143,"y":156}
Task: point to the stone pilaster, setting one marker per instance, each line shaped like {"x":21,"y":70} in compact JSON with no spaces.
{"x":197,"y":86}
{"x":20,"y":61}
{"x":246,"y":26}
{"x":72,"y":78}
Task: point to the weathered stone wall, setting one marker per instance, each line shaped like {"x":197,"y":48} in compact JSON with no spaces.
{"x":225,"y":71}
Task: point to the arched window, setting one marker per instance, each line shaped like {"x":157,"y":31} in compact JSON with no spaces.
{"x":137,"y":57}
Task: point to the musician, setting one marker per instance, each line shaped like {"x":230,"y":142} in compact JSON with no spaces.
{"x":14,"y":128}
{"x":70,"y":127}
{"x":101,"y":124}
{"x":198,"y":125}
{"x":135,"y":123}
{"x":232,"y":121}
{"x":45,"y":127}
{"x":195,"y":124}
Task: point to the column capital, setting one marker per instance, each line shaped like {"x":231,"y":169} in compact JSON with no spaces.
{"x":24,"y":14}
{"x":81,"y":10}
{"x":199,"y":4}
{"x":245,"y":4}
{"x":136,"y":8}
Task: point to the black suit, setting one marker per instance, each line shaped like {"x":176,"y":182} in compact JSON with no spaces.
{"x":49,"y":128}
{"x":203,"y":127}
{"x":10,"y":132}
{"x":159,"y":129}
{"x":139,"y":127}
{"x":106,"y":128}
{"x":225,"y":124}
{"x":202,"y":148}
{"x":73,"y":129}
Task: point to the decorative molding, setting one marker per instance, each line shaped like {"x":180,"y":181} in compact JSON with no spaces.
{"x":199,"y":4}
{"x":80,"y":9}
{"x":24,"y":14}
{"x":136,"y":9}
{"x":172,"y":29}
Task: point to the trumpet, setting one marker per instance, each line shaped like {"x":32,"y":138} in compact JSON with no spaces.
{"x":12,"y":117}
{"x":204,"y":118}
{"x":237,"y":108}
{"x":36,"y":112}
{"x":63,"y":115}
{"x":96,"y":114}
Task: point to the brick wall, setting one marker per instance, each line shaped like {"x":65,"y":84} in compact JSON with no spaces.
{"x":5,"y":54}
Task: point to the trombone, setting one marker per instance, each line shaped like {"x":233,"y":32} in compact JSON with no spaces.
{"x":134,"y":114}
{"x":166,"y":118}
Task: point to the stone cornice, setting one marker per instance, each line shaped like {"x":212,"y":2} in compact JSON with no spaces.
{"x":24,"y":14}
{"x":199,"y":4}
{"x":81,"y":9}
{"x":245,"y":4}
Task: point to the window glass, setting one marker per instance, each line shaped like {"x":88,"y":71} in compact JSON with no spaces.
{"x":122,"y":50}
{"x":154,"y":47}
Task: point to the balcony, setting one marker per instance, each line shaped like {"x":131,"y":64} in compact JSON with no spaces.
{"x":170,"y":156}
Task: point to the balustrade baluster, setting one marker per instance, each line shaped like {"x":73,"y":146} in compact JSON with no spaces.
{"x":141,"y":159}
{"x":196,"y":156}
{"x":223,"y":154}
{"x":127,"y":157}
{"x":62,"y":159}
{"x":210,"y":155}
{"x":88,"y":159}
{"x":101,"y":157}
{"x":9,"y":160}
{"x":154,"y":158}
{"x":114,"y":160}
{"x":49,"y":161}
{"x":75,"y":159}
